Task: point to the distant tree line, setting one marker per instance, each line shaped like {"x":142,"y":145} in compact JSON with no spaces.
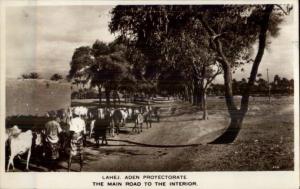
{"x":35,"y":75}
{"x":32,"y":75}
{"x":279,"y":86}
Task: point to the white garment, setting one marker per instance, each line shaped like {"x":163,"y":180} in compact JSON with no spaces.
{"x":81,"y":111}
{"x":77,"y":125}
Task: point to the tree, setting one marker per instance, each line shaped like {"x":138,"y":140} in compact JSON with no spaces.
{"x":192,"y":55}
{"x":82,"y":58}
{"x":262,"y":87}
{"x":282,"y":86}
{"x":236,"y":27}
{"x":102,"y":66}
{"x":56,"y":77}
{"x":260,"y":21}
{"x":32,"y":75}
{"x":154,"y":31}
{"x":108,"y":71}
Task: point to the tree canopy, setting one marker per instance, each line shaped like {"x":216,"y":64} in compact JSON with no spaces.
{"x":225,"y":33}
{"x":102,"y":65}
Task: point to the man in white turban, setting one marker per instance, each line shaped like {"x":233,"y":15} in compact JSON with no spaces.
{"x":77,"y":124}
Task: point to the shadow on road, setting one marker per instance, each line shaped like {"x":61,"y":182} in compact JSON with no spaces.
{"x":155,"y":145}
{"x":192,"y":119}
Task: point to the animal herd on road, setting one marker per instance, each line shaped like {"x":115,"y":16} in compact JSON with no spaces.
{"x":96,"y":124}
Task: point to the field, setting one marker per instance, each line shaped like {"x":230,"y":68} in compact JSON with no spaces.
{"x":179,"y":142}
{"x":36,"y":96}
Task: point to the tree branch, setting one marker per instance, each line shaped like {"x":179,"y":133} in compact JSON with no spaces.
{"x":208,"y":81}
{"x":285,"y":12}
{"x":225,"y":65}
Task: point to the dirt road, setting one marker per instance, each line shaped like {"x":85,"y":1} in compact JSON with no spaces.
{"x":179,"y":142}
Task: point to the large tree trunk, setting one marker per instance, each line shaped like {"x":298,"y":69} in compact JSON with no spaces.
{"x":200,"y":99}
{"x":236,"y":115}
{"x":204,"y":106}
{"x":186,"y":94}
{"x":232,"y":131}
{"x":190,"y":94}
{"x":194,"y":92}
{"x":202,"y":92}
{"x":197,"y":95}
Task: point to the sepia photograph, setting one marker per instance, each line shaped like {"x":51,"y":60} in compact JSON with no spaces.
{"x":147,"y":88}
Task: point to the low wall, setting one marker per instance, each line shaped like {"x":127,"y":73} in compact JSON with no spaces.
{"x":36,"y":96}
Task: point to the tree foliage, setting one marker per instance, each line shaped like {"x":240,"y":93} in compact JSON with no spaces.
{"x":32,"y":75}
{"x":103,"y":66}
{"x":56,"y":77}
{"x":151,"y":27}
{"x":226,"y":32}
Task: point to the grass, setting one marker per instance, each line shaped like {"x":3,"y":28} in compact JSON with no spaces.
{"x":265,"y":143}
{"x":36,"y":97}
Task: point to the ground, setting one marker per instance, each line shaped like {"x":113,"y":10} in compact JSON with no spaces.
{"x":179,"y":142}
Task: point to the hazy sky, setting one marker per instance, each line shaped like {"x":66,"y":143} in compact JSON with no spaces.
{"x":43,"y":39}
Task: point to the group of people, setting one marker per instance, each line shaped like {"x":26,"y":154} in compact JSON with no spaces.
{"x":74,"y":142}
{"x":65,"y":135}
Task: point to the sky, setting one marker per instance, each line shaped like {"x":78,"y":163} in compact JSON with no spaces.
{"x":42,"y":39}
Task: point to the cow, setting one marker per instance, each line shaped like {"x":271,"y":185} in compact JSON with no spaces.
{"x":147,"y":114}
{"x":101,"y":113}
{"x":138,"y":121}
{"x":100,"y":128}
{"x":130,"y":113}
{"x":156,"y":113}
{"x":125,"y":114}
{"x":12,"y":132}
{"x":110,"y":110}
{"x":19,"y":143}
{"x":117,"y":121}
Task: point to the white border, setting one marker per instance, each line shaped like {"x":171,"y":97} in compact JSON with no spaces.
{"x":262,"y":179}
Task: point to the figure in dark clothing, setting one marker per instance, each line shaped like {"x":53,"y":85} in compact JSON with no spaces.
{"x":52,"y":145}
{"x":100,"y":128}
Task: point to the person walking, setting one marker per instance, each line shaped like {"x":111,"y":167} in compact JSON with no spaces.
{"x":52,"y":145}
{"x":77,"y":133}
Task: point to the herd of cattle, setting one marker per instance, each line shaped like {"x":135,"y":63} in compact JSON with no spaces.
{"x":99,"y":122}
